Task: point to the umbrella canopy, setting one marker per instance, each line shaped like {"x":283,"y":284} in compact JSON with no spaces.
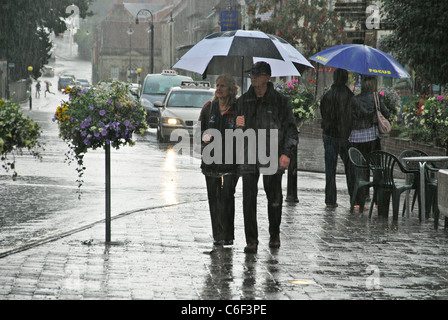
{"x":235,"y":51}
{"x":361,"y":59}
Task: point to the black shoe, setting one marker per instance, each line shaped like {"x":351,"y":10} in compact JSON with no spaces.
{"x":275,"y":243}
{"x":227,"y":242}
{"x":251,"y":248}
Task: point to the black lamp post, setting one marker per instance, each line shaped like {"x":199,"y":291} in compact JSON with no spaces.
{"x":30,"y":69}
{"x":171,"y":24}
{"x":130,"y":33}
{"x":151,"y":32}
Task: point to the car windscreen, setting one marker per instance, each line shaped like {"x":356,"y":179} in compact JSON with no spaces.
{"x":161,"y":85}
{"x":189,"y":99}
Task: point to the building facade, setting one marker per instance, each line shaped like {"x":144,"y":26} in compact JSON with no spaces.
{"x":122,"y":47}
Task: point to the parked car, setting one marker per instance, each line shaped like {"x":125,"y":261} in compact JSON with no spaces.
{"x":84,"y":83}
{"x":65,"y":82}
{"x":47,"y":71}
{"x":69,"y":75}
{"x":154,"y":88}
{"x":182,"y":107}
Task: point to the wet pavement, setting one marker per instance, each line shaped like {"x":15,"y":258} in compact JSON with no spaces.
{"x":162,"y":248}
{"x":52,"y":245}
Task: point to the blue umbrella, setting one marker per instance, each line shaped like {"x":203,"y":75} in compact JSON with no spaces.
{"x":361,"y":59}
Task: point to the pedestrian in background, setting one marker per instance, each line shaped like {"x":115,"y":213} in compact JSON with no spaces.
{"x":47,"y":88}
{"x":262,"y":107}
{"x":336,"y":129}
{"x":38,"y":89}
{"x":365,"y":135}
{"x":221,"y":178}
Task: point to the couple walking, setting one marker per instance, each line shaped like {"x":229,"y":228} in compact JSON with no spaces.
{"x":260,"y":108}
{"x":349,"y":121}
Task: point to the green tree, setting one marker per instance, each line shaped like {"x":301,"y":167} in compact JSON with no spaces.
{"x":420,"y":38}
{"x":25,"y":26}
{"x":310,"y":24}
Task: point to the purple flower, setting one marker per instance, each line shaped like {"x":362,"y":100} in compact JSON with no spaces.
{"x":102,"y":112}
{"x":114,"y":125}
{"x":126,"y":123}
{"x":104,"y":132}
{"x":91,"y":107}
{"x":109,"y":101}
{"x":87,"y":141}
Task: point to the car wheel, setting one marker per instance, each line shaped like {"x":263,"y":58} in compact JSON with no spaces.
{"x":160,"y":138}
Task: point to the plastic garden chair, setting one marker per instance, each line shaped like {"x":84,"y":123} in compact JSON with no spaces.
{"x":360,"y":168}
{"x":383,"y":165}
{"x":431,"y":192}
{"x":414,"y":178}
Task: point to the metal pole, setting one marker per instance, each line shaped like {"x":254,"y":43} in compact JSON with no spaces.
{"x":151,"y":26}
{"x":152,"y":45}
{"x":291,"y":194}
{"x":30,"y":69}
{"x":108,"y":197}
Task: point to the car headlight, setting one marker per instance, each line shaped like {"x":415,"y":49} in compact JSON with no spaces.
{"x":172,"y":121}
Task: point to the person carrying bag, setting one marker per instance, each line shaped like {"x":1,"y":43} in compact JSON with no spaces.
{"x":383,"y":124}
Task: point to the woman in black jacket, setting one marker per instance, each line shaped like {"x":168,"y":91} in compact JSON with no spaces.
{"x":365,"y":135}
{"x":221,"y":178}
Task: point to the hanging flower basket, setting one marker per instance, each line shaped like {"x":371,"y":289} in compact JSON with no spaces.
{"x":104,"y":115}
{"x":17,"y":133}
{"x":303,"y":102}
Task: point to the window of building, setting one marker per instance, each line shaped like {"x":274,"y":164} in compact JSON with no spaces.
{"x":114,"y":73}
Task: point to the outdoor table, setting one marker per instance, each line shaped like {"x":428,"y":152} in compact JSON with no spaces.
{"x":422,"y":160}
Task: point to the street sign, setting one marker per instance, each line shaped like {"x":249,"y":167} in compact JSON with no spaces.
{"x":344,"y":5}
{"x":387,"y":26}
{"x":353,"y":15}
{"x":356,"y":10}
{"x":229,"y":20}
{"x":355,"y":34}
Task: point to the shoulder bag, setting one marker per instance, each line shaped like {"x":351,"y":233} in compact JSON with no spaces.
{"x":383,"y":123}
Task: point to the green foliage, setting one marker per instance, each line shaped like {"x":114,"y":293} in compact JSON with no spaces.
{"x":421,"y":37}
{"x":17,"y":133}
{"x":428,"y":117}
{"x":24,"y":31}
{"x":300,"y":22}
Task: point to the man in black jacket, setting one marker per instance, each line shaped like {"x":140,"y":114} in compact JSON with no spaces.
{"x":264,"y":110}
{"x":336,"y":128}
